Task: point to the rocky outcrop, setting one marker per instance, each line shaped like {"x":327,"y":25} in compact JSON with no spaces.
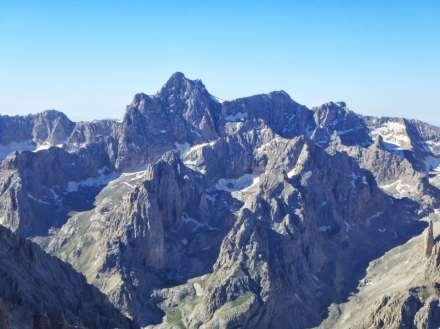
{"x":429,"y":244}
{"x":182,"y":112}
{"x":49,"y":127}
{"x":38,"y":190}
{"x":275,"y":110}
{"x":40,"y":291}
{"x":336,"y":118}
{"x":290,"y":243}
{"x":164,"y":229}
{"x":417,"y":308}
{"x":410,"y":301}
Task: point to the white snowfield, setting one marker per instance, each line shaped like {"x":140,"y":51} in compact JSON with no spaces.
{"x":189,"y":156}
{"x":395,"y":134}
{"x":238,"y":186}
{"x":45,"y":146}
{"x":102,"y":179}
{"x":27,"y":145}
{"x":403,"y":189}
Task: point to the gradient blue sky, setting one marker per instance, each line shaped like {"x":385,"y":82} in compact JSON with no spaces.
{"x":88,"y":58}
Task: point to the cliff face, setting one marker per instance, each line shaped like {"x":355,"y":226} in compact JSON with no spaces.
{"x":40,"y":291}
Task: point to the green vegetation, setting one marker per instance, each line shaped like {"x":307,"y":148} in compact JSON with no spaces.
{"x":174,"y":317}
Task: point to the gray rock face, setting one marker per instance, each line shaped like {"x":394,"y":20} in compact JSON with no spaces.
{"x":39,"y":189}
{"x":335,"y":117}
{"x":275,"y":110}
{"x":291,"y":243}
{"x":51,"y":126}
{"x":33,"y":132}
{"x":183,"y":111}
{"x":40,"y":291}
{"x":98,"y":131}
{"x":429,"y":240}
{"x":252,"y":213}
{"x":163,"y":232}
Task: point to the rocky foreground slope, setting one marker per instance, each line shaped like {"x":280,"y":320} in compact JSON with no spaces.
{"x":191,"y":213}
{"x":399,"y":290}
{"x":40,"y":291}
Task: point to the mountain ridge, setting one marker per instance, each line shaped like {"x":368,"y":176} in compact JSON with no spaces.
{"x":197,"y":213}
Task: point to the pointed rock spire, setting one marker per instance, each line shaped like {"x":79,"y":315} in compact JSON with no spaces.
{"x":429,"y":244}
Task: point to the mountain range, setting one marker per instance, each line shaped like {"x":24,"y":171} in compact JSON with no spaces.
{"x":197,"y":213}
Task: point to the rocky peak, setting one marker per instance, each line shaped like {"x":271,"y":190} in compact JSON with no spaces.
{"x":139,"y":100}
{"x":168,"y":164}
{"x":335,"y":117}
{"x":49,"y":127}
{"x":183,"y":111}
{"x":281,"y":94}
{"x":179,"y":86}
{"x":275,"y":110}
{"x":52,"y":115}
{"x":191,"y":100}
{"x":52,"y":127}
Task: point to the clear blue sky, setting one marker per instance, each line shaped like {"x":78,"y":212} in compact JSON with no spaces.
{"x":88,"y":58}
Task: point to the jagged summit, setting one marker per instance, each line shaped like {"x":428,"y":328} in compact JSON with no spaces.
{"x":179,"y":85}
{"x":139,"y":97}
{"x":280,"y":93}
{"x":331,"y":105}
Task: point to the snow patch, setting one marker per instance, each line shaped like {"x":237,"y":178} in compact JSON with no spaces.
{"x":199,"y":146}
{"x":403,"y":189}
{"x":293,"y":172}
{"x":46,"y":146}
{"x":395,"y":136}
{"x":100,"y":180}
{"x":433,"y":146}
{"x":188,"y":156}
{"x":237,"y":186}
